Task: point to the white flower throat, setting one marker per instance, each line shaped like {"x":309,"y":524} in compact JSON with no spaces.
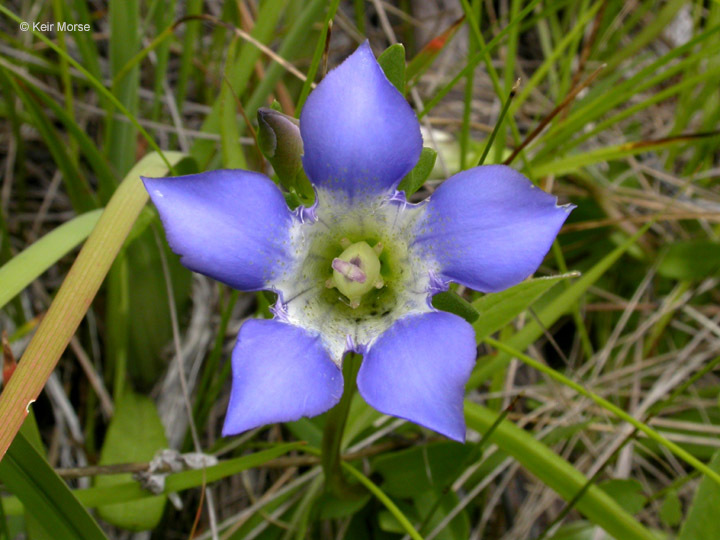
{"x":355,"y":272}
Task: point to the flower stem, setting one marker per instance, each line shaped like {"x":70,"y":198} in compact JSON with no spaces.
{"x":335,"y":481}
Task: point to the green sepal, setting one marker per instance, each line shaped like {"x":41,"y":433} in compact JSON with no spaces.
{"x":454,"y":303}
{"x":416,"y":178}
{"x":392,"y":62}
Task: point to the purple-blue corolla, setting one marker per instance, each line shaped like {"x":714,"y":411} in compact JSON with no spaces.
{"x":357,"y":270}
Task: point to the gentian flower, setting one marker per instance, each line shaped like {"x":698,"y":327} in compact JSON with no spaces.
{"x":357,"y":270}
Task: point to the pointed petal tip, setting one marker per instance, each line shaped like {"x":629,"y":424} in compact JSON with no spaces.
{"x":457,"y":435}
{"x":360,"y":135}
{"x":568,"y":207}
{"x":489,"y":227}
{"x":231,"y":225}
{"x":229,"y":431}
{"x":417,"y":370}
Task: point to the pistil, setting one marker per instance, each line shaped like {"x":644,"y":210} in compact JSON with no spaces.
{"x":356,"y":271}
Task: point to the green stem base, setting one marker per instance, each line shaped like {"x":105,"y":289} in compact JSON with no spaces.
{"x":335,"y":481}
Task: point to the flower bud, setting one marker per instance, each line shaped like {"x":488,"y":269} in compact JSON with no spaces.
{"x":280,"y":142}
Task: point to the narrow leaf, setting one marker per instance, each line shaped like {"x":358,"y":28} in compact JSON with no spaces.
{"x":553,"y":311}
{"x":44,"y":494}
{"x":422,"y":60}
{"x":498,"y":309}
{"x":557,"y":474}
{"x":27,"y":265}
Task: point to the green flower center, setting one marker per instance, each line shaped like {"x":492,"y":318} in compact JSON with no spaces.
{"x":356,"y":271}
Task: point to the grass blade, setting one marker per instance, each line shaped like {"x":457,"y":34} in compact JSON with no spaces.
{"x":27,"y":265}
{"x":75,"y":295}
{"x":556,"y":473}
{"x":45,"y":495}
{"x":605,"y":404}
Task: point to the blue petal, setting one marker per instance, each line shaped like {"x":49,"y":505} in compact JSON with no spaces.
{"x":280,"y":373}
{"x":417,"y":370}
{"x":489,"y":228}
{"x":360,"y":135}
{"x":231,"y":225}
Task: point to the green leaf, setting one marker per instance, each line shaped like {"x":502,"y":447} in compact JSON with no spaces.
{"x":131,"y":490}
{"x":671,"y":510}
{"x":574,"y":162}
{"x":628,"y":493}
{"x":122,"y":137}
{"x":416,"y":178}
{"x":135,"y":435}
{"x":149,"y":328}
{"x":388,"y":523}
{"x":305,"y":430}
{"x":693,"y":259}
{"x":498,"y":309}
{"x":421,"y":468}
{"x":45,"y":495}
{"x":385,"y":500}
{"x":392,"y":62}
{"x":452,"y":302}
{"x":27,"y":265}
{"x":426,"y":502}
{"x":331,"y":507}
{"x":441,"y":504}
{"x":702,"y":522}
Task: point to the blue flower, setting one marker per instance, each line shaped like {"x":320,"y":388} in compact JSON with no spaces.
{"x":357,"y":270}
